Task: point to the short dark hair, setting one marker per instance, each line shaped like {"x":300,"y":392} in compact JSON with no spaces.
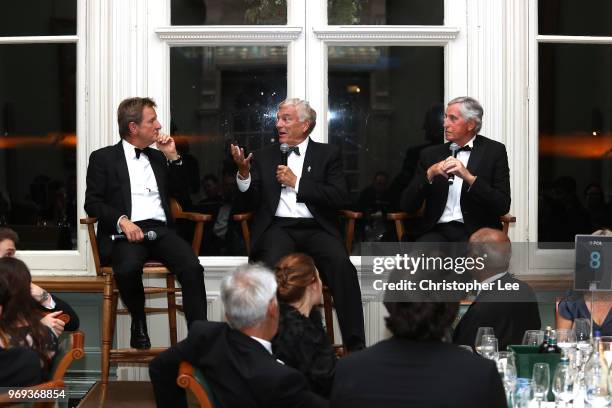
{"x":130,"y":110}
{"x":3,"y":291}
{"x":7,"y":233}
{"x":420,"y":321}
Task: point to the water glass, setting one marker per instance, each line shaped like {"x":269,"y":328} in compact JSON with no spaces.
{"x":563,"y":384}
{"x":482,"y":331}
{"x":566,"y":338}
{"x":541,"y":381}
{"x":506,"y":367}
{"x":523,"y":393}
{"x":582,"y":329}
{"x":488,"y":347}
{"x":533,"y":337}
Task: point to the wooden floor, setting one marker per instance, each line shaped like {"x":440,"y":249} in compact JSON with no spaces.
{"x":120,"y":394}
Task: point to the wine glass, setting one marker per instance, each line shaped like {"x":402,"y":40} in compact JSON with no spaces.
{"x":507,"y":371}
{"x":566,"y":338}
{"x":541,"y":381}
{"x":488,"y":347}
{"x":582,"y":330}
{"x":563,"y":383}
{"x":533,"y":337}
{"x":482,"y":331}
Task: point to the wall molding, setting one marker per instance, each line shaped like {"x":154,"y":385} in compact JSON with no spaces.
{"x":387,"y":35}
{"x":227,"y":35}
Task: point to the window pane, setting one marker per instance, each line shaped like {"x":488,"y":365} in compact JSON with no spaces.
{"x":575,"y":140}
{"x":229,"y":12}
{"x":385,"y":106}
{"x":385,"y":12}
{"x":38,"y":17}
{"x":223,"y":95}
{"x":571,"y":17}
{"x":38,"y":144}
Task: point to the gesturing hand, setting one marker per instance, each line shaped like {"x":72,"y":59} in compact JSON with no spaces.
{"x":244,"y":164}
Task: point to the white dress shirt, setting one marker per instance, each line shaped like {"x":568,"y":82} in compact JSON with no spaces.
{"x":452,"y":211}
{"x":146,"y":200}
{"x":267,"y":345}
{"x":287,"y":205}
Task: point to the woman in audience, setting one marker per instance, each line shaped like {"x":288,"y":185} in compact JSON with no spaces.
{"x":21,"y":324}
{"x":301,"y":342}
{"x":20,"y":366}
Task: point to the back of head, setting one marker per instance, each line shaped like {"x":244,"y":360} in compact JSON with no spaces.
{"x":294,"y":273}
{"x":8,"y":241}
{"x":3,"y":293}
{"x":246,"y":294}
{"x":130,"y":110}
{"x":494,"y":247}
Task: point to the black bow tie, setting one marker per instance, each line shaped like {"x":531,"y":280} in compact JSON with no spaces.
{"x":294,"y":149}
{"x":465,"y":148}
{"x":138,"y":151}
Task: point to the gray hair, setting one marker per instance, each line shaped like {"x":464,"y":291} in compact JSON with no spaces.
{"x":246,"y":294}
{"x":304,"y":111}
{"x":470,"y":109}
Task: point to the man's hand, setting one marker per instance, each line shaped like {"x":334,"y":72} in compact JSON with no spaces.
{"x":40,"y":295}
{"x":244,"y":164}
{"x":452,"y":165}
{"x":285,"y":176}
{"x":51,"y":321}
{"x":132,"y":232}
{"x":436,"y":170}
{"x":165,"y":144}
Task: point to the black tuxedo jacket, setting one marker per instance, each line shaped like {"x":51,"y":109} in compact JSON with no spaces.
{"x":108,"y":195}
{"x":322,"y":187}
{"x":429,"y":374}
{"x":241,"y":372}
{"x":481,"y":204}
{"x":509,"y":313}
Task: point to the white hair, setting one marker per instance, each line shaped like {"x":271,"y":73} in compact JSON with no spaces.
{"x":304,"y":111}
{"x":470,"y":109}
{"x":246,"y":294}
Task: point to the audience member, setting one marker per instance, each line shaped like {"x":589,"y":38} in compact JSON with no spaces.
{"x":20,"y":365}
{"x":508,"y":312}
{"x":20,"y":324}
{"x":236,"y":357}
{"x":301,"y":342}
{"x":47,"y":303}
{"x":415,"y":368}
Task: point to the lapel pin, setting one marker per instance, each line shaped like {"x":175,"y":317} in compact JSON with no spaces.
{"x":309,"y":168}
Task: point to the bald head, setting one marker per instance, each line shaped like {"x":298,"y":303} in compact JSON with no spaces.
{"x":494,"y":246}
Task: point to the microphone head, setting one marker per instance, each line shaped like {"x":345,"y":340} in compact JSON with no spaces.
{"x":284,"y":148}
{"x":151,"y":235}
{"x":454,"y":147}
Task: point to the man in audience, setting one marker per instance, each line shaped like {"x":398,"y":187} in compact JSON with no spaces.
{"x":480,"y":189}
{"x":508,"y":312}
{"x":296,"y":207}
{"x":236,"y":357}
{"x":50,"y":304}
{"x":416,"y":367}
{"x":129,"y":186}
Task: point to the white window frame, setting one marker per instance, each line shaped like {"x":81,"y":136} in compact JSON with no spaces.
{"x":66,"y":262}
{"x":307,"y":36}
{"x":557,"y":261}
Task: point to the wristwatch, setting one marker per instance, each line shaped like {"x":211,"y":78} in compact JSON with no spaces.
{"x":44,"y":296}
{"x":177,"y":162}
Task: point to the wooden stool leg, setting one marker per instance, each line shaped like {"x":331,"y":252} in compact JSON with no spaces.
{"x":171,"y":307}
{"x":107,"y":319}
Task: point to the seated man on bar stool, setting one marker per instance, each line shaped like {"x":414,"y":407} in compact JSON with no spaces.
{"x":129,"y":186}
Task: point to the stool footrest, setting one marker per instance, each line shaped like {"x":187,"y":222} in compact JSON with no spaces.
{"x":132,"y":355}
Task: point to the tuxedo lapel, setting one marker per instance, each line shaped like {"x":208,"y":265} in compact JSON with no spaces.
{"x":476,"y":155}
{"x":311,"y":154}
{"x":123,"y":176}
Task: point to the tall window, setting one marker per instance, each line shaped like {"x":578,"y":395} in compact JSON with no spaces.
{"x":575,"y":118}
{"x":38,"y":58}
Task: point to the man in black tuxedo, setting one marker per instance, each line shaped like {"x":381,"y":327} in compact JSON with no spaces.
{"x":236,"y":357}
{"x":480,"y":189}
{"x":128,"y":190}
{"x":509,"y":312}
{"x":296,"y":207}
{"x":416,"y":367}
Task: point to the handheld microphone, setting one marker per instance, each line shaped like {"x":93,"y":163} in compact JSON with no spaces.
{"x":454,"y":148}
{"x":284,"y":148}
{"x":149,"y":236}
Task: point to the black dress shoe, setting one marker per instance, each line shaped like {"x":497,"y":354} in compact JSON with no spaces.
{"x":139,"y":338}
